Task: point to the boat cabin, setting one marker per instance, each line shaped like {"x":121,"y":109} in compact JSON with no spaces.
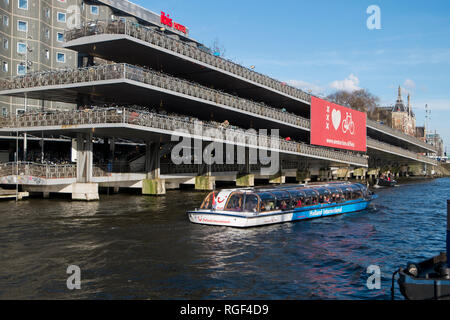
{"x":282,"y":199}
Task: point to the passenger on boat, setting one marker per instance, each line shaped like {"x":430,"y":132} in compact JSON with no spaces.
{"x":267,"y":206}
{"x":251,"y":204}
{"x":235,"y":203}
{"x":299,"y":203}
{"x":338,"y":198}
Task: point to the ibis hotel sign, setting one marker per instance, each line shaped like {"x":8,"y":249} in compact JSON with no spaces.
{"x":167,"y":21}
{"x":336,"y":126}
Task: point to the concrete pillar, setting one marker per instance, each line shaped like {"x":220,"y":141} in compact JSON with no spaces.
{"x":277,"y":178}
{"x":85,"y":191}
{"x":303,"y":176}
{"x":205,"y":183}
{"x":324,"y":174}
{"x":84,"y":158}
{"x":153,"y":185}
{"x":360,"y":173}
{"x":343,"y":173}
{"x":245,"y":180}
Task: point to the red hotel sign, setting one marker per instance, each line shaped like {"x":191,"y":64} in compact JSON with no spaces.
{"x":336,"y":126}
{"x":166,"y":20}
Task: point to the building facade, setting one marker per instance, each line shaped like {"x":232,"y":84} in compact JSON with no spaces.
{"x":32,"y":38}
{"x":400,"y":117}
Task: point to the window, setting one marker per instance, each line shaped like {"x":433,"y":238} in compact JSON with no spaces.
{"x":21,"y":69}
{"x":94,"y":10}
{"x":22,"y":26}
{"x":5,"y":20}
{"x":5,"y":66}
{"x":7,"y":2}
{"x":23,"y":4}
{"x":235,"y":202}
{"x":47,"y":13}
{"x":60,"y":37}
{"x":21,"y":48}
{"x":60,"y":57}
{"x":4,"y":112}
{"x":47,"y":33}
{"x":47,"y":54}
{"x":5,"y":44}
{"x":61,"y":17}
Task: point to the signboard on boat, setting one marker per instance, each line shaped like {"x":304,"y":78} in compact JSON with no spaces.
{"x":338,"y":127}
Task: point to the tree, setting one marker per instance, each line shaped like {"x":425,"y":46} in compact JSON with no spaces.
{"x":361,"y":100}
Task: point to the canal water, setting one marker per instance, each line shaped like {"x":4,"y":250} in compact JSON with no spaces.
{"x":134,"y":247}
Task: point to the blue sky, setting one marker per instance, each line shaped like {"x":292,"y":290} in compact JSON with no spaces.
{"x":323,"y":45}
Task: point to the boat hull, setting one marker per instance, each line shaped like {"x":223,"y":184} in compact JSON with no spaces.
{"x":420,"y":289}
{"x":431,"y":283}
{"x":223,"y":218}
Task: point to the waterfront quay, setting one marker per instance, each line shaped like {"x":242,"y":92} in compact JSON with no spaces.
{"x":134,"y":113}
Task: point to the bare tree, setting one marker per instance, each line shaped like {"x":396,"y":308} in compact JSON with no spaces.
{"x":361,"y":100}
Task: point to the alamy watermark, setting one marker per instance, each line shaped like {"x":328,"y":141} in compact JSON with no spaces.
{"x":374,"y":20}
{"x":374,"y":280}
{"x":227,"y":146}
{"x":74,"y":280}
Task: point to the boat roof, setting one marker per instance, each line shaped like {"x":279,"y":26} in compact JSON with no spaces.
{"x":322,"y":188}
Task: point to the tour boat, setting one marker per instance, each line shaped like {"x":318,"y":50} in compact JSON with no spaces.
{"x":386,"y":182}
{"x":251,"y":207}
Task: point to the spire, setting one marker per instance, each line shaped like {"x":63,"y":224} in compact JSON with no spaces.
{"x":409,"y":104}
{"x":399,"y":105}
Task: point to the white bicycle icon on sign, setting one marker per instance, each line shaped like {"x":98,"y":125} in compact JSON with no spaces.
{"x":348,"y":124}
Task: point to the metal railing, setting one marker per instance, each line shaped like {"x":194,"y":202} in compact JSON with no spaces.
{"x":180,"y":47}
{"x":163,"y":81}
{"x":175,"y":125}
{"x":372,"y":143}
{"x":167,"y":168}
{"x":397,"y":133}
{"x":157,"y":38}
{"x":150,"y":77}
{"x":44,"y":171}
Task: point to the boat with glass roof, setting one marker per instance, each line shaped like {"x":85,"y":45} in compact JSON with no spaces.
{"x":251,"y":207}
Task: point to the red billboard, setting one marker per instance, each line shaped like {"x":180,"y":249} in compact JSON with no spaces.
{"x":336,"y":126}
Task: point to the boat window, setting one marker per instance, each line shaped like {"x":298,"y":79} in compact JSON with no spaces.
{"x":362,"y":188}
{"x":267,"y":201}
{"x":336,"y":194}
{"x":324,"y":195}
{"x":208,"y":202}
{"x":251,"y":203}
{"x":235,"y":202}
{"x":283,"y":200}
{"x":298,"y":198}
{"x":311,"y":198}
